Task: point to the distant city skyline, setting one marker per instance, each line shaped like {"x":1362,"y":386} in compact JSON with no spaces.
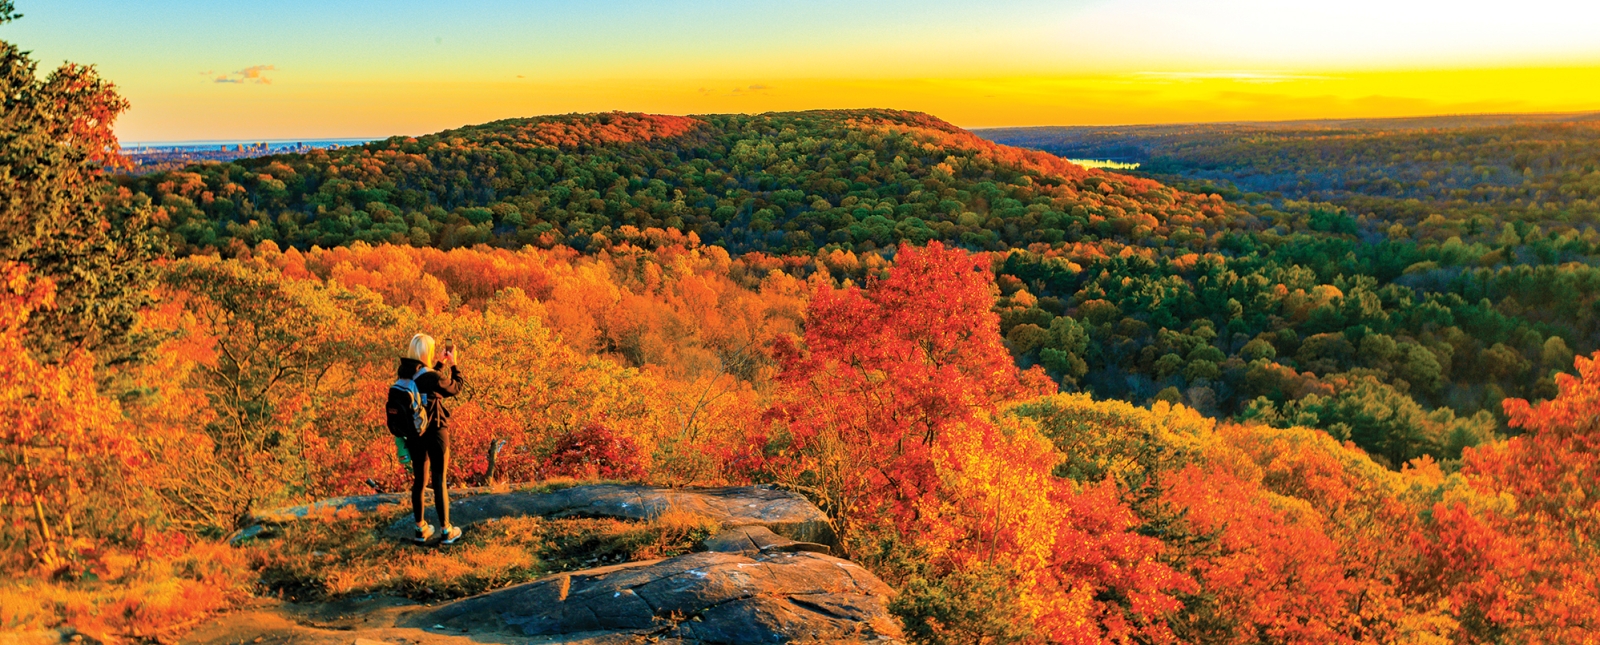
{"x":199,"y":143}
{"x":298,"y":70}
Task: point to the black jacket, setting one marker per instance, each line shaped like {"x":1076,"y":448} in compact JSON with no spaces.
{"x":438,"y":385}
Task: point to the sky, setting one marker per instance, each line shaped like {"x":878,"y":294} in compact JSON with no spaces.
{"x":299,"y":69}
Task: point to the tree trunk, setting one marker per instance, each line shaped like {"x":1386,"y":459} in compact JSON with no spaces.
{"x":51,"y":557}
{"x":494,"y":453}
{"x":70,"y":492}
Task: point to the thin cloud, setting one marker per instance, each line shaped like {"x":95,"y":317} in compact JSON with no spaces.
{"x":747,"y":90}
{"x":1240,"y":76}
{"x":253,"y":74}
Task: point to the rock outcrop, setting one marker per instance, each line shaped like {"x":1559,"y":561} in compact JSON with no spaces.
{"x":783,"y":512}
{"x":697,"y":599}
{"x":260,"y":520}
{"x":767,"y":577}
{"x":706,"y":597}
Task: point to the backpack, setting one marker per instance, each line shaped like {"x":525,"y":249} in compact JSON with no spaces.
{"x":407,"y":408}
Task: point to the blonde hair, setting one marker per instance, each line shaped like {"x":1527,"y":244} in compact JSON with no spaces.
{"x":421,"y":349}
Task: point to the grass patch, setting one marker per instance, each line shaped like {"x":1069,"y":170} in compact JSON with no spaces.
{"x":352,"y":554}
{"x":117,"y":594}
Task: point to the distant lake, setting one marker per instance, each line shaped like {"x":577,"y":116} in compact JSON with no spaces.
{"x":1104,"y":163}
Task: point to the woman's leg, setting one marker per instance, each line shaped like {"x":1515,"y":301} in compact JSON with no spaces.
{"x":439,"y":457}
{"x":419,"y":475}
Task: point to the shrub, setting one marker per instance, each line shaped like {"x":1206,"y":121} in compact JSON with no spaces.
{"x":595,"y":452}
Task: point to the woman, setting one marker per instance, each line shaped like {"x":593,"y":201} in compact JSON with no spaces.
{"x":430,"y":450}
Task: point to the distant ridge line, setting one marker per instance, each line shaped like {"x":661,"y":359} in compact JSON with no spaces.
{"x":1374,"y":123}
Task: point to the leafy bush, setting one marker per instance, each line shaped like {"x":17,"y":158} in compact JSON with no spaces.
{"x":595,"y":451}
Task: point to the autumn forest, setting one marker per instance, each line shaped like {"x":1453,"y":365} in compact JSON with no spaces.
{"x":1324,"y":384}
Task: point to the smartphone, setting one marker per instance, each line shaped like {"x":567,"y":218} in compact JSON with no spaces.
{"x":450,"y":348}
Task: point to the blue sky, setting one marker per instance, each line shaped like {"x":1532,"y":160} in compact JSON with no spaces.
{"x":347,"y":68}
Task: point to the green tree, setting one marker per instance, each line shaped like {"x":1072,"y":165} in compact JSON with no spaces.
{"x":1555,"y":354}
{"x":1063,"y":352}
{"x":1258,"y":349}
{"x":1381,"y":419}
{"x":55,"y":144}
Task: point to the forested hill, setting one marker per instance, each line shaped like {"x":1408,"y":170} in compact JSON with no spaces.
{"x":779,"y":183}
{"x":1485,"y":171}
{"x":1285,"y":311}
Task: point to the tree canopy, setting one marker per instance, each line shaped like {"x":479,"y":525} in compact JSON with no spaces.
{"x":58,"y":215}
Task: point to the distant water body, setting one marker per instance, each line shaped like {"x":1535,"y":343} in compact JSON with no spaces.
{"x":1104,"y":163}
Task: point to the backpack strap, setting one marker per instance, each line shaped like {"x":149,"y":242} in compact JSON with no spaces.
{"x":420,"y":371}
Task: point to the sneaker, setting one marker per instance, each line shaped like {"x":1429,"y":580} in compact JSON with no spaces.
{"x":451,"y":534}
{"x":423,"y":534}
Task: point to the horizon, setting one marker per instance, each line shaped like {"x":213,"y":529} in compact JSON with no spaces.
{"x":361,"y":140}
{"x":304,"y":70}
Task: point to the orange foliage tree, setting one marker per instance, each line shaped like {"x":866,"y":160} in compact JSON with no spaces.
{"x":270,"y":358}
{"x":888,"y":418}
{"x":1288,"y":535}
{"x":1515,"y":551}
{"x":57,"y":433}
{"x":262,"y":388}
{"x":885,"y":371}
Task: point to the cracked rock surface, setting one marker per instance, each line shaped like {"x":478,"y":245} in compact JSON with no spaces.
{"x":759,"y":539}
{"x":708,"y":597}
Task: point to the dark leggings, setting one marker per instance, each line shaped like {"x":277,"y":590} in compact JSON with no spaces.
{"x":429,"y":455}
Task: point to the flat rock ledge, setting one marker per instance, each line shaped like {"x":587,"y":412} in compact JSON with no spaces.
{"x":708,"y":597}
{"x":783,"y":512}
{"x":259,"y":521}
{"x":361,"y":503}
